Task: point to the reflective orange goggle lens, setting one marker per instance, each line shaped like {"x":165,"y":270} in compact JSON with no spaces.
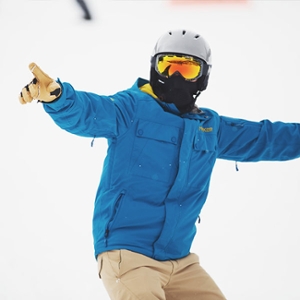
{"x":189,"y":67}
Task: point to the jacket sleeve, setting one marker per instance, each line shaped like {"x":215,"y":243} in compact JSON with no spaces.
{"x":86,"y":114}
{"x":243,"y":140}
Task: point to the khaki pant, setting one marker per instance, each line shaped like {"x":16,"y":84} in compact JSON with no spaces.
{"x":131,"y":276}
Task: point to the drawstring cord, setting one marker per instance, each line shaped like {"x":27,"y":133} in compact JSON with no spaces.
{"x":92,"y":142}
{"x":236,"y":166}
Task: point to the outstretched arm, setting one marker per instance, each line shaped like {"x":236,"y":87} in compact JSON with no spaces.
{"x":81,"y":113}
{"x":243,"y":140}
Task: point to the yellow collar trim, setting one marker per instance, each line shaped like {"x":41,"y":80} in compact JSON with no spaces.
{"x":146,"y":88}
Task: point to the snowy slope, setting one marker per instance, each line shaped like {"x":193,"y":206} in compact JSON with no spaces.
{"x":249,"y":239}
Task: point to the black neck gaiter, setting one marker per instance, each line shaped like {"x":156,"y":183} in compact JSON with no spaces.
{"x":177,"y":90}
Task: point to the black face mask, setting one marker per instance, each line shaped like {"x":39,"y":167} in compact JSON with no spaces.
{"x":175,"y":89}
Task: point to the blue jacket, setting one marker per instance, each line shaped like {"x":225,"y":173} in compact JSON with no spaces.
{"x":156,"y":174}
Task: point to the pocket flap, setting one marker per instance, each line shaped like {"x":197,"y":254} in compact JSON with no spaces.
{"x":157,"y":131}
{"x":205,"y":142}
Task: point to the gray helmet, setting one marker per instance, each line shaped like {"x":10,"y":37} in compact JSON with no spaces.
{"x":183,"y":42}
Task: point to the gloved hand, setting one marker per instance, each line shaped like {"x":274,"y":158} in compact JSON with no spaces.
{"x":42,"y":87}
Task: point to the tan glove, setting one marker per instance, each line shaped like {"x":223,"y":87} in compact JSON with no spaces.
{"x":42,"y":87}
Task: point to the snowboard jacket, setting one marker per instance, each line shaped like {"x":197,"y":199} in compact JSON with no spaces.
{"x":156,"y":174}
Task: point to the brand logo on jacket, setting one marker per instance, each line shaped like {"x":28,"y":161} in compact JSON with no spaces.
{"x":207,"y":129}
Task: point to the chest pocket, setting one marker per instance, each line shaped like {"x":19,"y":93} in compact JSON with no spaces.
{"x":155,"y":151}
{"x":206,"y":142}
{"x":202,"y":159}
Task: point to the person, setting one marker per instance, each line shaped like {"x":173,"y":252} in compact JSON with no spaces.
{"x":161,"y":152}
{"x":84,"y":7}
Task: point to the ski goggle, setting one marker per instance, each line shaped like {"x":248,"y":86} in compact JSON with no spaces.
{"x":189,"y":67}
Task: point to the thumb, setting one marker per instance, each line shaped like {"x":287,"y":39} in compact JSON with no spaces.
{"x":39,"y":74}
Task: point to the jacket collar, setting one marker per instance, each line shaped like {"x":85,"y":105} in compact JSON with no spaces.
{"x":144,"y":86}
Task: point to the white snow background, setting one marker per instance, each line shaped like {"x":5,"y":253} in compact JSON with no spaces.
{"x":249,"y":237}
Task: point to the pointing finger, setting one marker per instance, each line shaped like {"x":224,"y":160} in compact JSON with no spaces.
{"x":41,"y":76}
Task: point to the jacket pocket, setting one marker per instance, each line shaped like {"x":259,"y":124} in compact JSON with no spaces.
{"x":114,"y":214}
{"x":206,"y":142}
{"x":155,"y":151}
{"x":202,"y":159}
